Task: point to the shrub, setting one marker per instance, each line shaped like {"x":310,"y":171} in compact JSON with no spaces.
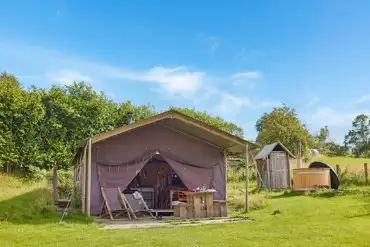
{"x":36,"y":174}
{"x":65,"y":183}
{"x":236,"y":198}
{"x":237,"y":174}
{"x":333,"y":149}
{"x":257,"y":201}
{"x":76,"y":202}
{"x":351,"y":178}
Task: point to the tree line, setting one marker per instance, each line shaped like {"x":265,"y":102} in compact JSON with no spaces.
{"x":39,"y":127}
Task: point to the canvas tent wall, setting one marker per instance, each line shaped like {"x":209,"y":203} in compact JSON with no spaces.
{"x":194,"y":150}
{"x":273,"y":167}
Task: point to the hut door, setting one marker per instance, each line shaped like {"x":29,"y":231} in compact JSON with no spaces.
{"x":279,"y":170}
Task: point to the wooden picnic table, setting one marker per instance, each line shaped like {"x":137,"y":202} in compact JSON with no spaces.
{"x":201,"y":203}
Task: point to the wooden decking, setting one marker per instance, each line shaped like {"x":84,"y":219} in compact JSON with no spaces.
{"x":157,"y":211}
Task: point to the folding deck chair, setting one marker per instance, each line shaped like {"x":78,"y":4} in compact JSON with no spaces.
{"x":113,"y":202}
{"x":126,"y":205}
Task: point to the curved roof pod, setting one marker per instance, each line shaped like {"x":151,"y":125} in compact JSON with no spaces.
{"x":334,"y":180}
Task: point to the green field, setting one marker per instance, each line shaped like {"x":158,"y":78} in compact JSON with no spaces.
{"x":281,"y":219}
{"x":352,"y":164}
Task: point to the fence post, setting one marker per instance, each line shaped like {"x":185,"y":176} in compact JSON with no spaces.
{"x":337,"y":169}
{"x":366,"y":174}
{"x":55,"y":184}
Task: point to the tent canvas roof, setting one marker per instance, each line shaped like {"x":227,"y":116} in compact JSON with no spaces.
{"x":186,"y":125}
{"x":266,"y":150}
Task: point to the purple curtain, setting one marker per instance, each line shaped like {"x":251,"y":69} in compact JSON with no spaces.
{"x":218,"y":176}
{"x":191,"y":176}
{"x":114,"y":176}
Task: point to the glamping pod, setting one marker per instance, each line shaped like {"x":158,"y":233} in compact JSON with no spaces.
{"x":306,"y":179}
{"x":334,"y":180}
{"x":318,"y":175}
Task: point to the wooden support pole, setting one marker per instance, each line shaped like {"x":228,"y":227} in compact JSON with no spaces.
{"x":268,"y":173}
{"x":289,"y":174}
{"x":84,"y":165}
{"x":55,"y":184}
{"x":225,"y":174}
{"x":366,"y":174}
{"x":88,"y":178}
{"x":246,"y":178}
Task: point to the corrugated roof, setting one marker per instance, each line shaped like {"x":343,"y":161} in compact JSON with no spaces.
{"x":266,"y":150}
{"x":185,"y":124}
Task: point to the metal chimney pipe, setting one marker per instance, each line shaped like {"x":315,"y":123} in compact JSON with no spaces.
{"x":129,"y":119}
{"x":299,"y":154}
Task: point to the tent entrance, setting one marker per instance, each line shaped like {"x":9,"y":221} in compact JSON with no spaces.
{"x":156,"y":182}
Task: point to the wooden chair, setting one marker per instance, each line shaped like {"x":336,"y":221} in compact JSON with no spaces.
{"x":111,"y":203}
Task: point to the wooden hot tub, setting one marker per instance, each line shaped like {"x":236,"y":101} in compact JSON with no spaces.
{"x":305,"y":179}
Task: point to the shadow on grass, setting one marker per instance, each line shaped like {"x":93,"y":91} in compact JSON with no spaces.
{"x":365,"y":208}
{"x":321,"y":193}
{"x":318,"y":193}
{"x":359,"y":215}
{"x":287,"y":194}
{"x":36,"y":207}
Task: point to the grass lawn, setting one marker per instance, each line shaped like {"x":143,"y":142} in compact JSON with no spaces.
{"x":323,"y":219}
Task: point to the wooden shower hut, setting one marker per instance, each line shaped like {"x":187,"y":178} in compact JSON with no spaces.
{"x":273,"y":167}
{"x":155,"y":156}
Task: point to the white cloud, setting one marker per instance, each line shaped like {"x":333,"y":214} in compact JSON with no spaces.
{"x":333,"y":118}
{"x":363,"y":99}
{"x":231,"y":104}
{"x":67,"y":77}
{"x":177,"y":80}
{"x":245,"y":78}
{"x":247,"y":75}
{"x":174,"y":80}
{"x":338,"y":121}
{"x":195,"y":86}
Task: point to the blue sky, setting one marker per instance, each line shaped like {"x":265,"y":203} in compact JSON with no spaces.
{"x":235,"y":59}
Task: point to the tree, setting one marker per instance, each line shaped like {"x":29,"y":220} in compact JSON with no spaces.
{"x":324,"y":134}
{"x":21,"y":112}
{"x":358,"y":138}
{"x":283,"y":124}
{"x":334,"y":149}
{"x":40,"y":128}
{"x":321,"y":139}
{"x":214,"y":121}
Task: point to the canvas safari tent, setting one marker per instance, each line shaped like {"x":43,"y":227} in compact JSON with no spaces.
{"x":154,"y":156}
